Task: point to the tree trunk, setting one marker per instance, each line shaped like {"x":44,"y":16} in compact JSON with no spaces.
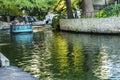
{"x":69,"y":9}
{"x":87,"y":8}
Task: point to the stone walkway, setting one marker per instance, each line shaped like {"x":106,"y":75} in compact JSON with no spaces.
{"x":14,"y":73}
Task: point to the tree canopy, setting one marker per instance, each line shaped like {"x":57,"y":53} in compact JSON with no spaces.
{"x":60,"y":6}
{"x":36,"y":7}
{"x":32,"y":7}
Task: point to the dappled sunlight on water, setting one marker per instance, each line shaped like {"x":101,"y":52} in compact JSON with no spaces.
{"x":65,"y":56}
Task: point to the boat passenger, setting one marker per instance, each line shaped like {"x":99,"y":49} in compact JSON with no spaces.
{"x":26,"y":20}
{"x":15,"y":22}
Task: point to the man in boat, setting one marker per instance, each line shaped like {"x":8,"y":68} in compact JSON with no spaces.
{"x":15,"y":21}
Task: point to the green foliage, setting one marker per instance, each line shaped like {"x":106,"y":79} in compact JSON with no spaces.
{"x":110,"y":11}
{"x":55,"y":23}
{"x":60,"y":6}
{"x":31,"y":7}
{"x":60,"y":9}
{"x":41,"y":8}
{"x":13,"y":7}
{"x":101,"y":14}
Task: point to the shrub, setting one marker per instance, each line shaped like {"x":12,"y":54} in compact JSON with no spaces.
{"x":109,"y":11}
{"x":55,"y":22}
{"x":100,"y":14}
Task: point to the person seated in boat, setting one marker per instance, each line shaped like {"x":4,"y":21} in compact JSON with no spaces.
{"x":15,"y":22}
{"x":21,"y":21}
{"x":26,"y":20}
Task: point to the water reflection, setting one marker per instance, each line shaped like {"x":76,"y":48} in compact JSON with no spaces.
{"x":22,"y":39}
{"x":70,"y":60}
{"x":66,"y":56}
{"x":101,"y":54}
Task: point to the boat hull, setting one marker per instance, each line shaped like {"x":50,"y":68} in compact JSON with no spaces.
{"x":21,"y":28}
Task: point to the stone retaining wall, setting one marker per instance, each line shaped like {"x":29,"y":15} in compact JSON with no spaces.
{"x":93,"y":25}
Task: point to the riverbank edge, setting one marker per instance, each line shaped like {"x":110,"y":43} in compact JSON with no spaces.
{"x":91,"y":25}
{"x":12,"y":72}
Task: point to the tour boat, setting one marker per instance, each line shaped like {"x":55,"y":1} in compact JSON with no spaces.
{"x":21,"y":28}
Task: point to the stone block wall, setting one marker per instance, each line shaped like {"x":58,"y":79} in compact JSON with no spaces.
{"x":93,"y":25}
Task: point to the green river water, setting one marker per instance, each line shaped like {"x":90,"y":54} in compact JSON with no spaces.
{"x":50,"y":55}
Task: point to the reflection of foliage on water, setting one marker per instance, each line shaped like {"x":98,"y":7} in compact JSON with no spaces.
{"x":59,"y":55}
{"x":87,"y":55}
{"x":67,"y":64}
{"x":40,"y":55}
{"x":102,"y":70}
{"x":91,"y":53}
{"x":78,"y":58}
{"x":33,"y":59}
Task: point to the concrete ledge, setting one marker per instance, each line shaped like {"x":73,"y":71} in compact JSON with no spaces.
{"x":91,"y":25}
{"x":14,"y":73}
{"x":4,"y":61}
{"x":8,"y":72}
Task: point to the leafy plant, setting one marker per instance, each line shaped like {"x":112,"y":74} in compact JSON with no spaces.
{"x":110,"y":11}
{"x":100,"y":14}
{"x":55,"y":22}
